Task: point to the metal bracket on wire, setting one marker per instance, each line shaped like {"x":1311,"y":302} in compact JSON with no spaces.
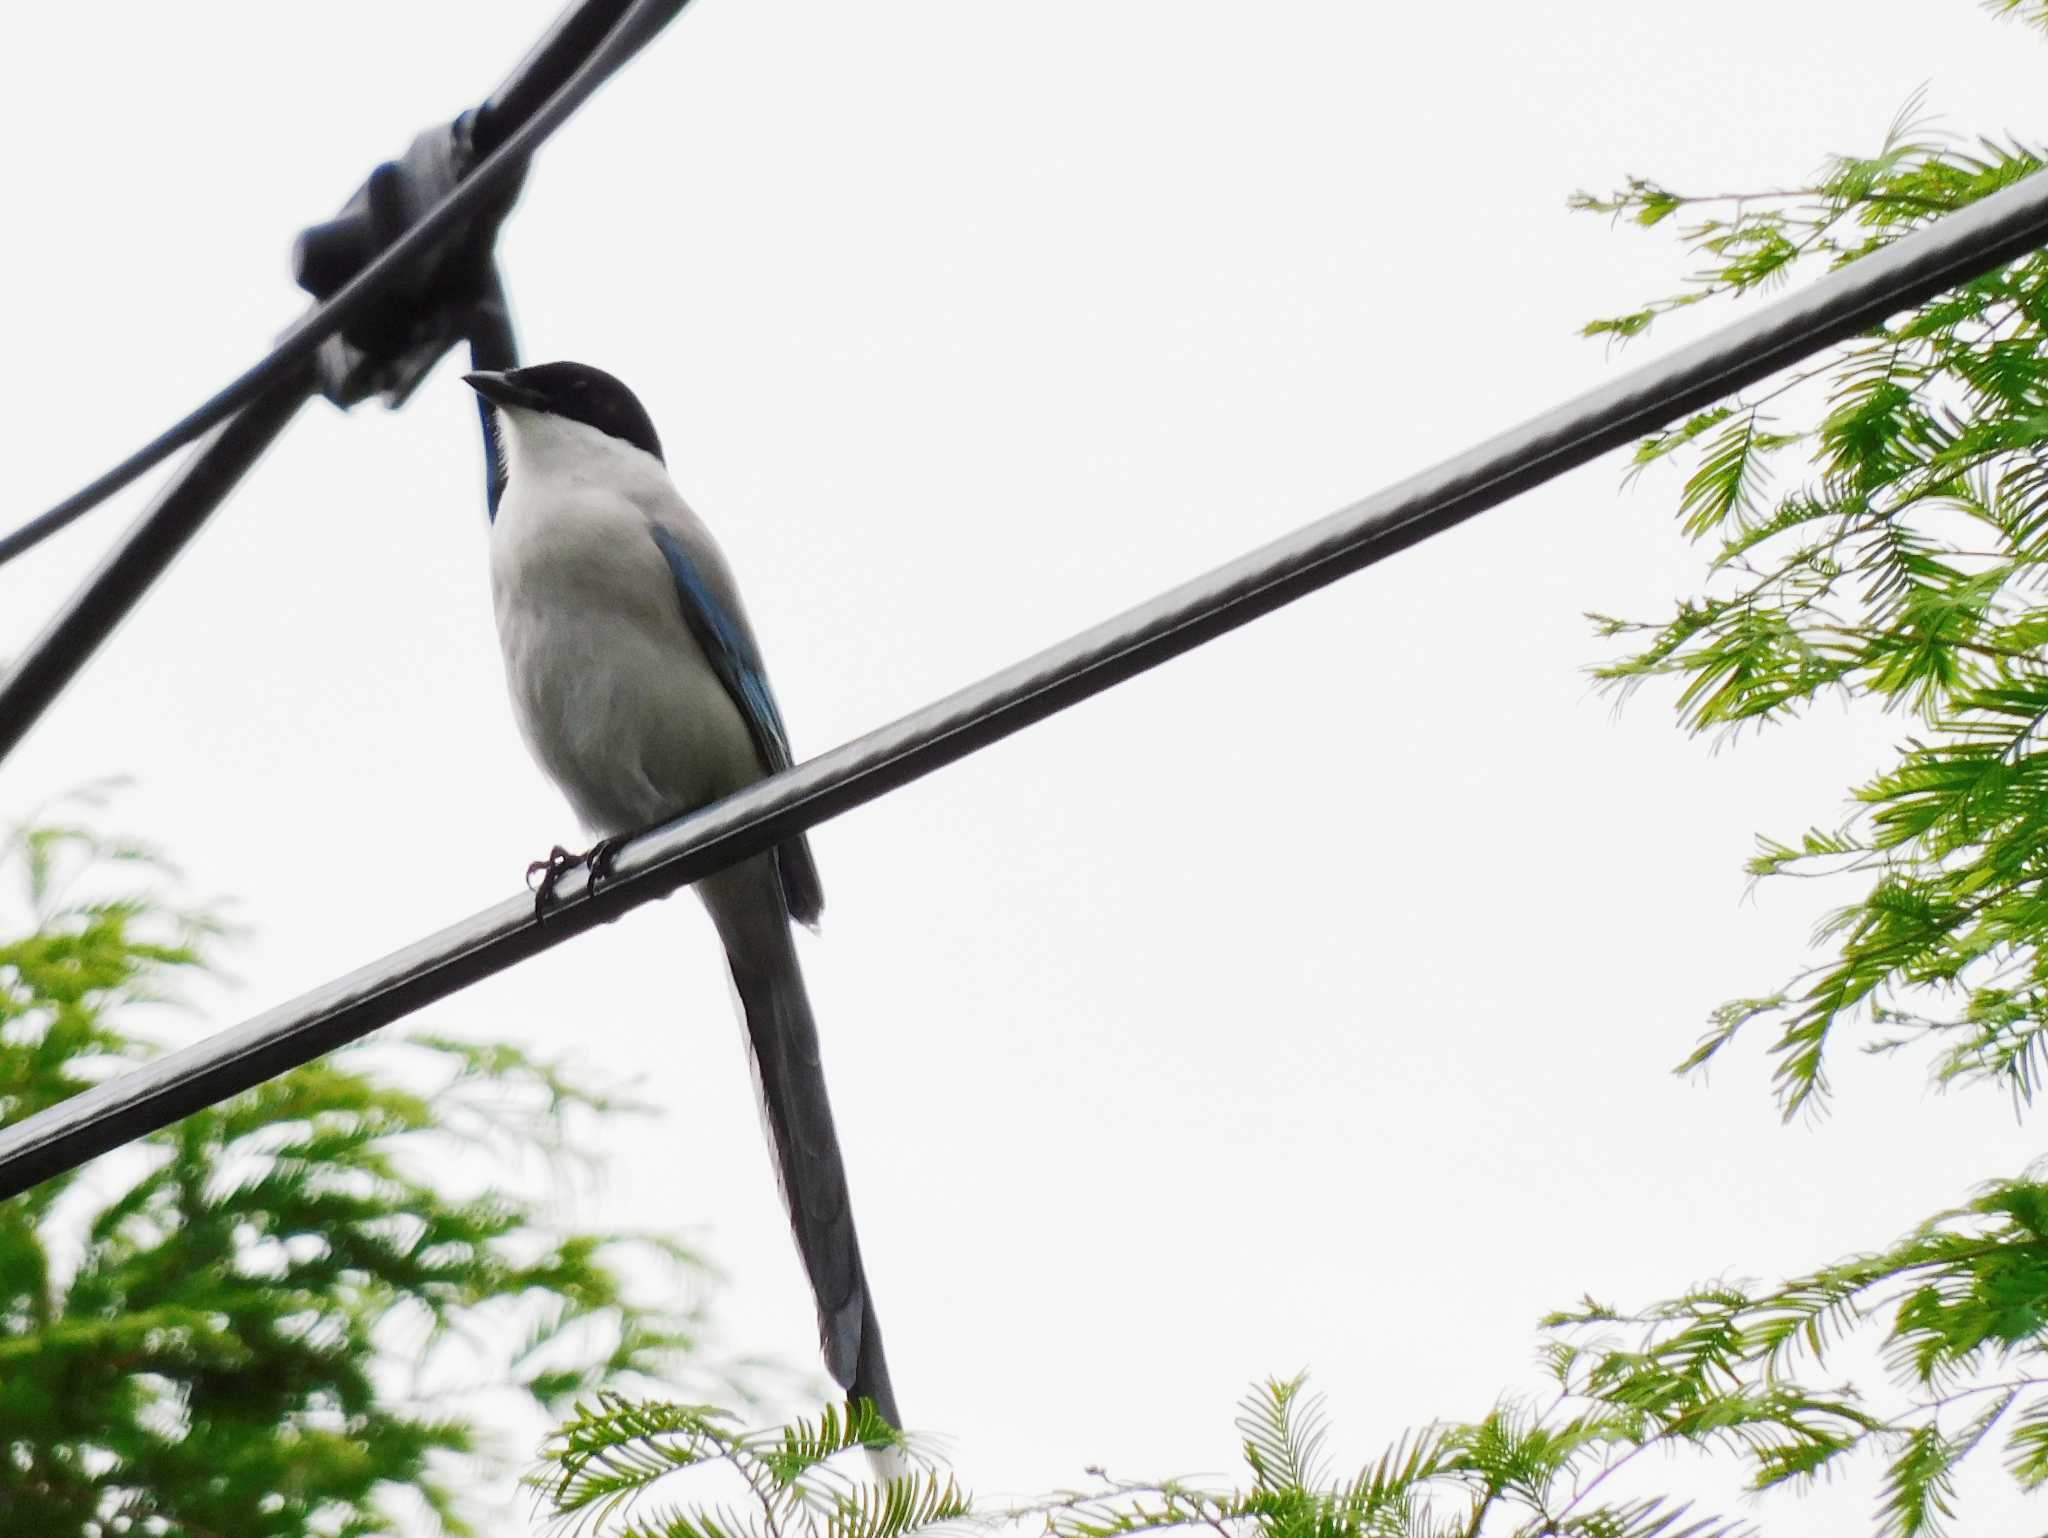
{"x":389,"y":348}
{"x":451,"y":292}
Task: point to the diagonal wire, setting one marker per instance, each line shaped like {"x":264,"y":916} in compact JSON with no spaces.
{"x":653,"y":864}
{"x":632,"y":32}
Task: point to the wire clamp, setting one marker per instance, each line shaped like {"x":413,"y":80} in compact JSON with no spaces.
{"x":391,"y":348}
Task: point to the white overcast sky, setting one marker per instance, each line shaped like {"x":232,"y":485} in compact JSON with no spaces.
{"x":1307,"y":1003}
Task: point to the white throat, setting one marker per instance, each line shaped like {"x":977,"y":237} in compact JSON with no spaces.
{"x":539,"y":446}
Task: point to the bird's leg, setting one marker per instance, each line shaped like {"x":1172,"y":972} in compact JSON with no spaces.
{"x":551,"y":870}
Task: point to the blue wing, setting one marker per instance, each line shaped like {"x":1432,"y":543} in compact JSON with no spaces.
{"x":737,"y":661}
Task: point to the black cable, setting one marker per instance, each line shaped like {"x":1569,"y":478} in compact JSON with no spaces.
{"x":633,"y":31}
{"x":650,"y":865}
{"x":574,"y":34}
{"x":202,"y":481}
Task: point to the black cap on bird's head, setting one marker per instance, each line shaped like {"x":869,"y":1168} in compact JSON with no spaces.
{"x":576,"y":392}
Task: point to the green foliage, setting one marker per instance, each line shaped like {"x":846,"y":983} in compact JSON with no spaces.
{"x":615,"y":1452}
{"x":1878,"y":526}
{"x":1516,"y":1471}
{"x":2033,"y":12}
{"x":274,"y":1318}
{"x":1960,"y":1307}
{"x":1879,"y":521}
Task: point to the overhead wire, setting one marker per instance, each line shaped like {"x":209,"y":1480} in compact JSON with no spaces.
{"x":655,"y":863}
{"x":587,"y":44}
{"x":498,"y":168}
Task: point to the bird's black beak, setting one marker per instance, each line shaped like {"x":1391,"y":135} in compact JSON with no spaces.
{"x":500,"y":389}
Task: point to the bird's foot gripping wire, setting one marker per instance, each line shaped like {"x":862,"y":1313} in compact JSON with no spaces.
{"x":551,"y":870}
{"x":598,"y":858}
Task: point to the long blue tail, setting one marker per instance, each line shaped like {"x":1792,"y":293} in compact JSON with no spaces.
{"x":784,"y":1038}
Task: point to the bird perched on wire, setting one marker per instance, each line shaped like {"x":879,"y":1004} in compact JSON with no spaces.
{"x":639,"y":687}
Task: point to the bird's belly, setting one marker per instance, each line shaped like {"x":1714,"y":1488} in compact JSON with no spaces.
{"x":622,"y":711}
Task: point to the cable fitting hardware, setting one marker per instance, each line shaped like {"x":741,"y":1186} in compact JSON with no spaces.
{"x":392,"y":346}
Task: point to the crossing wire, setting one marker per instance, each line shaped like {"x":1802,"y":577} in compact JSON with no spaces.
{"x":587,"y":44}
{"x":504,"y":164}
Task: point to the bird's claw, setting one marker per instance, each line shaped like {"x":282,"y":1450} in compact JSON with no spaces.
{"x":551,"y":870}
{"x":598,"y":858}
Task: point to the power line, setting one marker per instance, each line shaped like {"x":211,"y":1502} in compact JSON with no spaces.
{"x":587,"y":45}
{"x":141,"y":554}
{"x":652,"y":865}
{"x":493,"y":175}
